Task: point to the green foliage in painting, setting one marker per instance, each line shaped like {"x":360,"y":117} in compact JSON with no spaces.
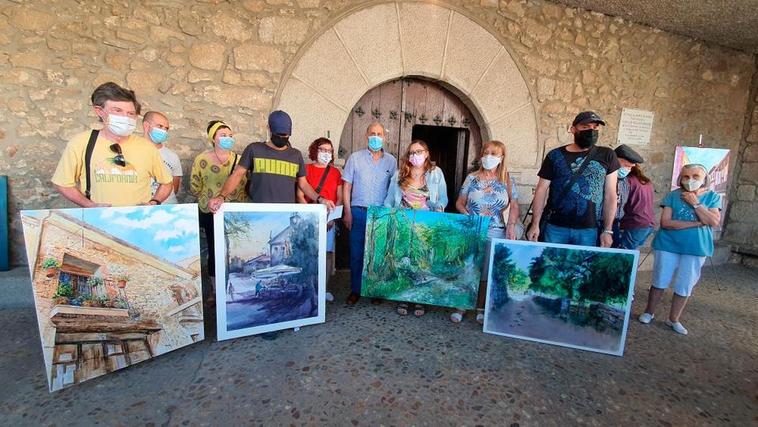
{"x":423,"y":257}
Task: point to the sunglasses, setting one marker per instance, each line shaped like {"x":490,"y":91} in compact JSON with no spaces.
{"x":119,"y":157}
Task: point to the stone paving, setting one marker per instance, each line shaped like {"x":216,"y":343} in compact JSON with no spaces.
{"x":368,"y":366}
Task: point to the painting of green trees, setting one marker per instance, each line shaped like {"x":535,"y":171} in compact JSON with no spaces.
{"x":423,"y":257}
{"x":569,"y":295}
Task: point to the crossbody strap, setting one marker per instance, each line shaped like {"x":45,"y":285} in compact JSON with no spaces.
{"x":234,"y":163}
{"x":322,"y":180}
{"x":88,"y":160}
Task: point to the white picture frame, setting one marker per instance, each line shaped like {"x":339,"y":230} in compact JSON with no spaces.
{"x":265,"y":222}
{"x":515,"y":321}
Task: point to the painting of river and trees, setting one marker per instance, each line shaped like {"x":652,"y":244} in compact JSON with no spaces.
{"x":423,"y":257}
{"x":573,"y":296}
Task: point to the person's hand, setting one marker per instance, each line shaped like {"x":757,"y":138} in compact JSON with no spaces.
{"x":534,"y":232}
{"x":510,"y":231}
{"x":347,"y":219}
{"x":690,"y":198}
{"x":101,"y":205}
{"x":215,"y":203}
{"x":606,"y":240}
{"x":329,"y":204}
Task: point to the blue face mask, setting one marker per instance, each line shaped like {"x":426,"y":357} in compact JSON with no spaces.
{"x":375,"y":143}
{"x":226,"y":142}
{"x":623,"y":172}
{"x":158,"y":135}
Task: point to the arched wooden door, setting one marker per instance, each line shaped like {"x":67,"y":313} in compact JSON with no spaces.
{"x":412,"y":108}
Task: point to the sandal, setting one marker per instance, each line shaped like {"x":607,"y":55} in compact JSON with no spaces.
{"x":419,"y":310}
{"x":457,"y":316}
{"x":402,"y":309}
{"x":480,"y":316}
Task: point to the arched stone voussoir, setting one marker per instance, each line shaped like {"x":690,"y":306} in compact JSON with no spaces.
{"x":470,"y":52}
{"x":518,"y":131}
{"x":312,"y":115}
{"x":375,"y":48}
{"x":329,"y":69}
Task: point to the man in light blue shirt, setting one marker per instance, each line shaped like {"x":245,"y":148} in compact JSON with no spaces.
{"x":367,"y":176}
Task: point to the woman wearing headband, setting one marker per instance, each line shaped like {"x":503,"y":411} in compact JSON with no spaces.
{"x":209,"y":171}
{"x":683,"y":242}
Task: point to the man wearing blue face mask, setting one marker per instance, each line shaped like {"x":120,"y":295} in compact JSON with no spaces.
{"x":155,"y":128}
{"x":366,"y":179}
{"x":581,"y":181}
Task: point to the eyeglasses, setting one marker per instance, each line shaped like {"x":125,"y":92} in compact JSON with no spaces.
{"x":325,"y":150}
{"x":119,"y":157}
{"x":417,"y":152}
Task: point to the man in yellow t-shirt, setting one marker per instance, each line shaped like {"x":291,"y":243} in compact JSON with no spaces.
{"x":122,"y":165}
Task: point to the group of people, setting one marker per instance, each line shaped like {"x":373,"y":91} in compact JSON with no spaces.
{"x":586,"y":194}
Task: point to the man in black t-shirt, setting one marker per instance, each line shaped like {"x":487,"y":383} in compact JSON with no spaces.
{"x":573,"y":213}
{"x":275,"y":168}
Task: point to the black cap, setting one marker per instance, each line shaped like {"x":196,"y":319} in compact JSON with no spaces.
{"x":624,"y":152}
{"x":587,"y":117}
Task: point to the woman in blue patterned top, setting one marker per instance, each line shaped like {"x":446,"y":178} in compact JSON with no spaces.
{"x":486,"y":192}
{"x":683,"y":242}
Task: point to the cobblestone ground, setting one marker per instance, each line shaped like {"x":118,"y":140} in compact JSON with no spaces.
{"x":368,"y":366}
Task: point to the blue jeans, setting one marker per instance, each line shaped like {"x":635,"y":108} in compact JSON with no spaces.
{"x":632,"y":238}
{"x":357,"y":247}
{"x":571,"y":236}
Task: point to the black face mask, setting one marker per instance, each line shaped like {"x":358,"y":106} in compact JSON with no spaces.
{"x":586,"y":138}
{"x":280,"y":141}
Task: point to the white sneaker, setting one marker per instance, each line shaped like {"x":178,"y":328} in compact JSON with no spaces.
{"x":646,"y":318}
{"x":677,"y":327}
{"x":329,"y":297}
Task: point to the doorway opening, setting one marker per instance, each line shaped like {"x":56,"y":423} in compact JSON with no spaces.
{"x":448,"y":148}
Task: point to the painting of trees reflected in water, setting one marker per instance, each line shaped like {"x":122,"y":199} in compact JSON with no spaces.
{"x":423,"y":257}
{"x":574,"y":296}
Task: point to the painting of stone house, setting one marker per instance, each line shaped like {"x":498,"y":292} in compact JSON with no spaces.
{"x":113,"y":286}
{"x":273,"y":261}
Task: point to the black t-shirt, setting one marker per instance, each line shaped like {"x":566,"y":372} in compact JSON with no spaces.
{"x":273,"y":173}
{"x":581,"y":206}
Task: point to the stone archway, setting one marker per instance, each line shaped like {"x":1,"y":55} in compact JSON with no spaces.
{"x":408,"y":38}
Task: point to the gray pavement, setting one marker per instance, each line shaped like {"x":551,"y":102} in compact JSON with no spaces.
{"x":368,"y":366}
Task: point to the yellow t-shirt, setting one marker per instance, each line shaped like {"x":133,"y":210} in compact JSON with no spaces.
{"x":207,"y":179}
{"x":113,"y":184}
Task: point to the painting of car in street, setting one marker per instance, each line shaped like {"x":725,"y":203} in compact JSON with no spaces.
{"x":272,"y":263}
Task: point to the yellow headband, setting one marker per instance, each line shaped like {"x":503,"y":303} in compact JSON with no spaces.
{"x":213,"y":129}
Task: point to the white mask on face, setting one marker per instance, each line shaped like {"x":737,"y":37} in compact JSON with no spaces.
{"x":121,"y":125}
{"x":490,"y":162}
{"x":693,"y":184}
{"x":324,"y":158}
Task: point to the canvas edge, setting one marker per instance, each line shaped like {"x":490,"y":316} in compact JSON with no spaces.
{"x":627,"y":310}
{"x":220,"y":248}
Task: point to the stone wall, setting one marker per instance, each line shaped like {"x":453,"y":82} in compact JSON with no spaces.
{"x":202,"y":60}
{"x":742,"y":222}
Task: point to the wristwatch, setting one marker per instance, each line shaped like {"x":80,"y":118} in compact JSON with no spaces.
{"x":608,"y":232}
{"x":695,"y":206}
{"x":157,"y":202}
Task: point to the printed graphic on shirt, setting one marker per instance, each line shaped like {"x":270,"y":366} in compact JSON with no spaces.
{"x":275,"y":167}
{"x":109,"y":171}
{"x":586,"y":194}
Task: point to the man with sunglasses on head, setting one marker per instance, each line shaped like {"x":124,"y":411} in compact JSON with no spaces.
{"x":112,"y":166}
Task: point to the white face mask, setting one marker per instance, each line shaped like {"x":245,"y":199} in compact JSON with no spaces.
{"x":693,"y":184}
{"x":490,"y":162}
{"x":121,"y":125}
{"x":324,"y":158}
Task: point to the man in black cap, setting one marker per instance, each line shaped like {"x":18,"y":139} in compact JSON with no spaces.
{"x":581,"y":179}
{"x":276,"y":169}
